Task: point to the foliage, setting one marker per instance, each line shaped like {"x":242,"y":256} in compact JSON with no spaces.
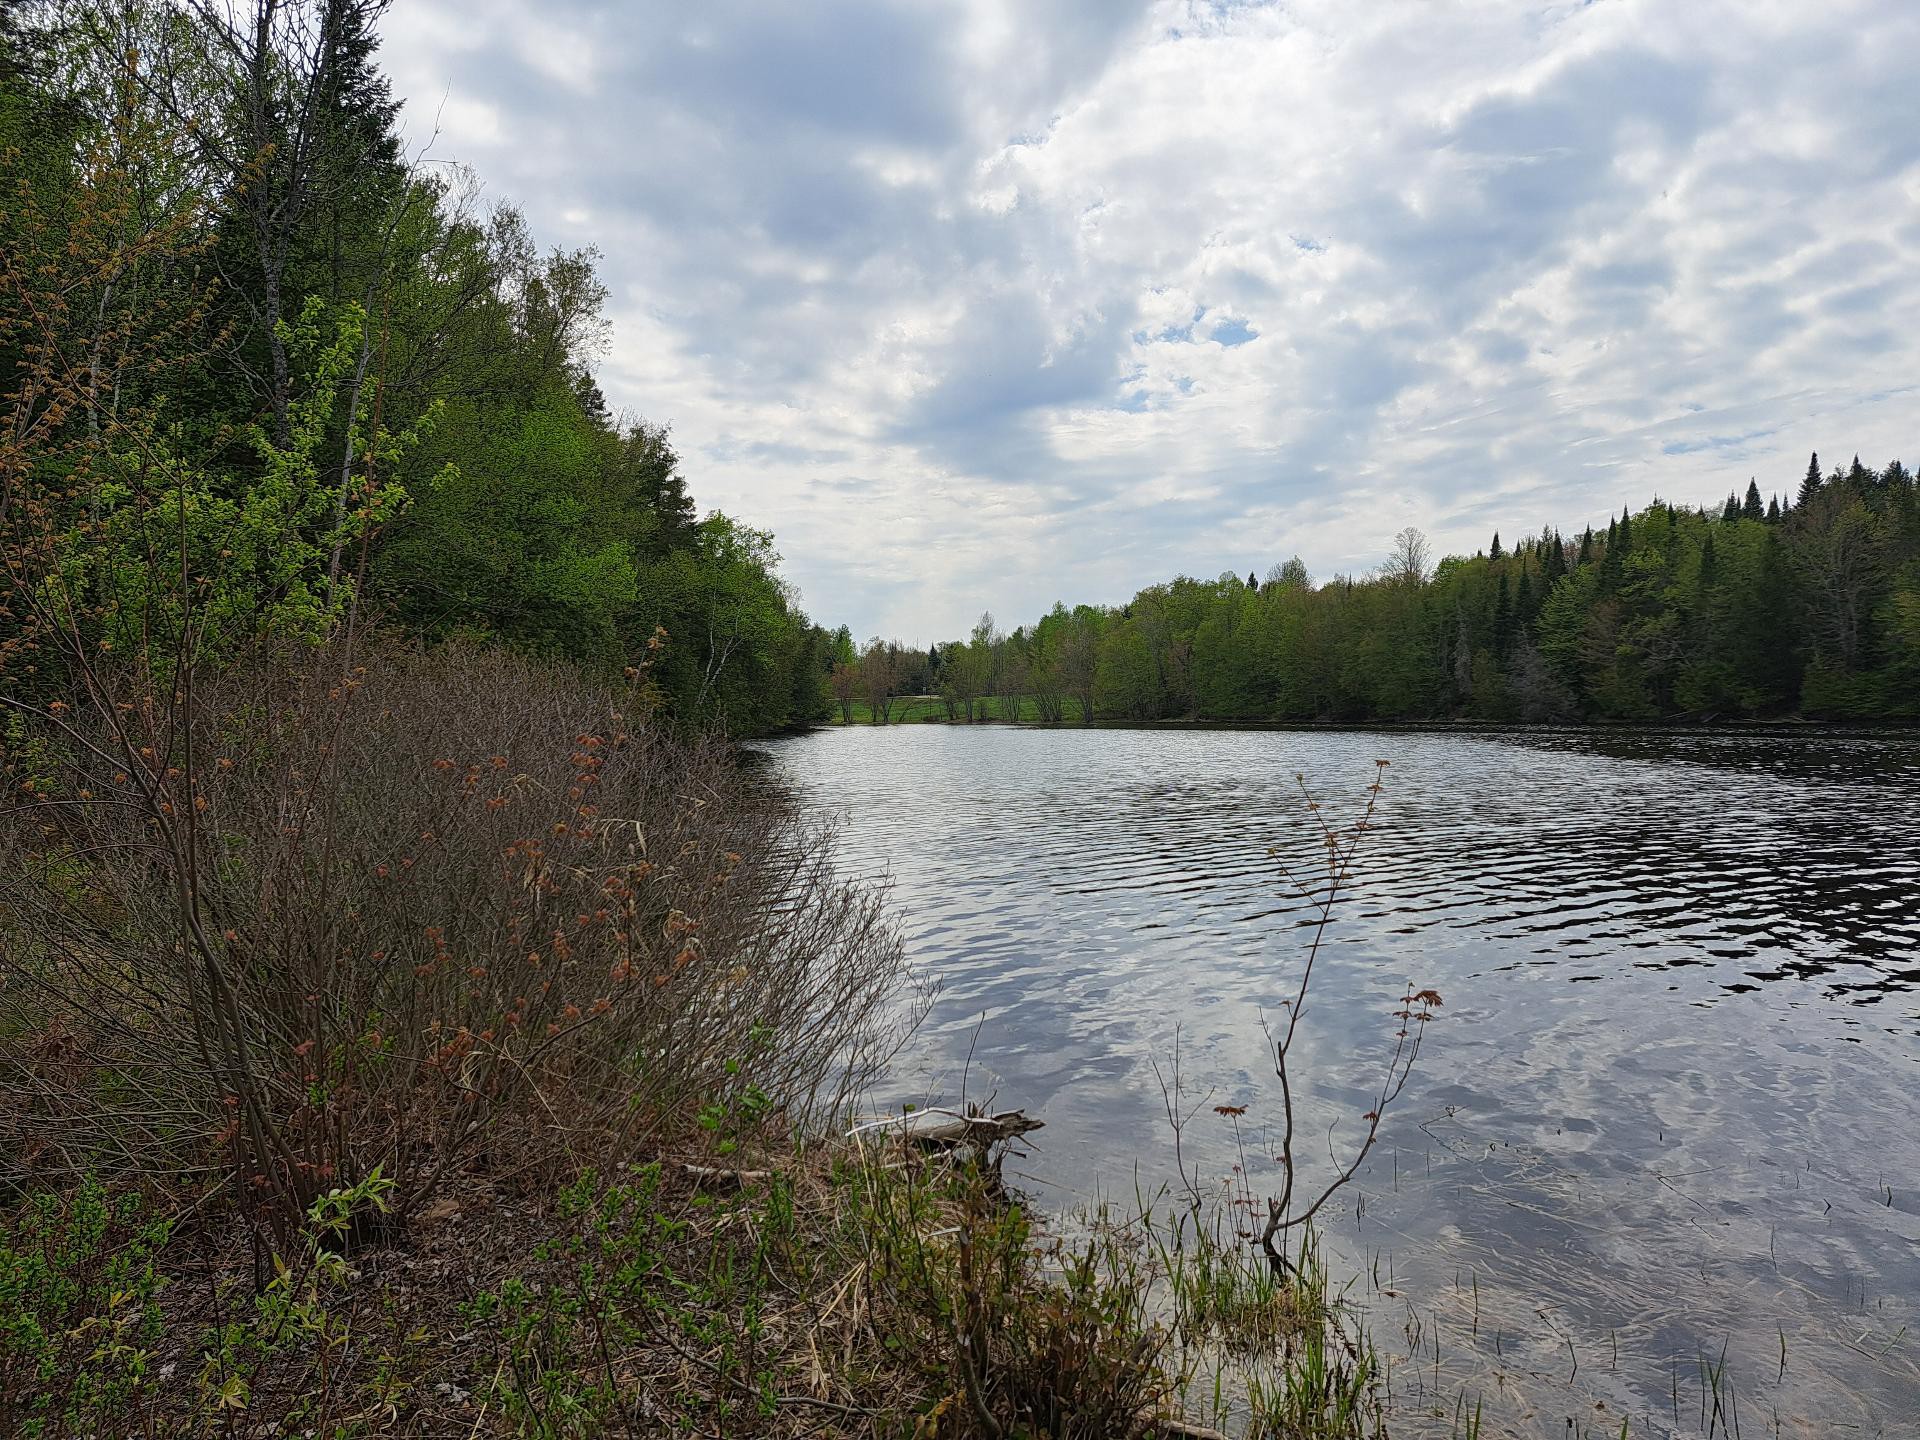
{"x":386,"y":395}
{"x":1732,"y":611}
{"x":79,"y":1314}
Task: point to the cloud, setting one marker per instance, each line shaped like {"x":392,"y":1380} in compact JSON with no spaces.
{"x":980,"y":307}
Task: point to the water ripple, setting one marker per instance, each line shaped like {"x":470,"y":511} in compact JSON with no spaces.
{"x":1670,"y":1106}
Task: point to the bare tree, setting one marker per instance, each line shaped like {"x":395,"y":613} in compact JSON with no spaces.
{"x":282,"y":72}
{"x":1410,"y":560}
{"x":845,"y":680}
{"x":969,"y":667}
{"x":1044,"y":676}
{"x":1011,"y":675}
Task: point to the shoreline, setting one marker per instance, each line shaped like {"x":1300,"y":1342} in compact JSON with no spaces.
{"x":1782,"y":726}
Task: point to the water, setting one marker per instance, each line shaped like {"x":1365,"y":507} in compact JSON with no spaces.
{"x":1670,"y":1110}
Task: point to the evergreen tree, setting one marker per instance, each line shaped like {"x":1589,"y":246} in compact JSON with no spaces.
{"x":1731,"y":512}
{"x":360,"y":173}
{"x":1494,"y":552}
{"x":1773,"y":511}
{"x":1554,"y":564}
{"x":1752,"y":509}
{"x":1502,"y":620}
{"x":18,"y":51}
{"x":1810,"y":485}
{"x":1586,"y":547}
{"x":649,"y":469}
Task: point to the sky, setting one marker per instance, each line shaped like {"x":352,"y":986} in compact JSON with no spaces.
{"x":983,"y":306}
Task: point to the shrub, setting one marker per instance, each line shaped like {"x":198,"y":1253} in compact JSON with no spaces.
{"x":379,"y":906}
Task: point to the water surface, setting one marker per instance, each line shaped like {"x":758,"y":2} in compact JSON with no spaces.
{"x":1669,"y":1111}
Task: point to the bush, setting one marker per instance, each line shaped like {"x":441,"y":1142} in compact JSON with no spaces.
{"x":380,"y":906}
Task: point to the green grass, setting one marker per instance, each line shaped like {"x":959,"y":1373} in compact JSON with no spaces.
{"x":865,"y":1289}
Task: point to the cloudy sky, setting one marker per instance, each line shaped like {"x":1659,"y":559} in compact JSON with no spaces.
{"x":987,"y":305}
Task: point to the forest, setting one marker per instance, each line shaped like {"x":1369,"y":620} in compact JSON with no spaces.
{"x":420,"y":1017}
{"x":231,"y":297}
{"x":1805,"y":607}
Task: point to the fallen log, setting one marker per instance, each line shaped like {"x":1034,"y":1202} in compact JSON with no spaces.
{"x":712,"y":1175}
{"x":936,"y":1129}
{"x":1172,"y":1429}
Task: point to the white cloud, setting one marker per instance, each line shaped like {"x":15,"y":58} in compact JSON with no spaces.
{"x":988,"y":308}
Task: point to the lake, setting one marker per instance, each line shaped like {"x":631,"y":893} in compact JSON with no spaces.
{"x":1669,"y":1112}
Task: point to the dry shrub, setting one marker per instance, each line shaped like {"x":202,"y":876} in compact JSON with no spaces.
{"x":409,"y":909}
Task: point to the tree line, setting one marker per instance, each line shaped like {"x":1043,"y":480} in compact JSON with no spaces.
{"x":1808,"y":607}
{"x":238,"y":319}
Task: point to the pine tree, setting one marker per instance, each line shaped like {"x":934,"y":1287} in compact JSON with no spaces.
{"x":1586,"y":548}
{"x":1709,"y":660}
{"x":1626,"y":531}
{"x":12,"y":46}
{"x":1752,"y":508}
{"x":1554,"y":563}
{"x":648,"y":467}
{"x":1494,"y":552}
{"x":1810,"y":485}
{"x":1617,"y":534}
{"x":1502,"y":620}
{"x":26,"y":50}
{"x":1773,"y":511}
{"x":1732,"y":511}
{"x":1523,"y":602}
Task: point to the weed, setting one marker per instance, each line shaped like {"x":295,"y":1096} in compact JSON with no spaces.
{"x":79,"y":1311}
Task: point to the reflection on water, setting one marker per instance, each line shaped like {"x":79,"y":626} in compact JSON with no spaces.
{"x":1670,"y":1112}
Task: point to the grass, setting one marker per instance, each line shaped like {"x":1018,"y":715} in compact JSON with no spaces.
{"x":840,"y":1289}
{"x":1274,"y":1355}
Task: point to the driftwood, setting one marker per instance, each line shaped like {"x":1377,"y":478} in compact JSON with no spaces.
{"x":712,"y":1175}
{"x":937,"y":1129}
{"x":1173,"y":1429}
